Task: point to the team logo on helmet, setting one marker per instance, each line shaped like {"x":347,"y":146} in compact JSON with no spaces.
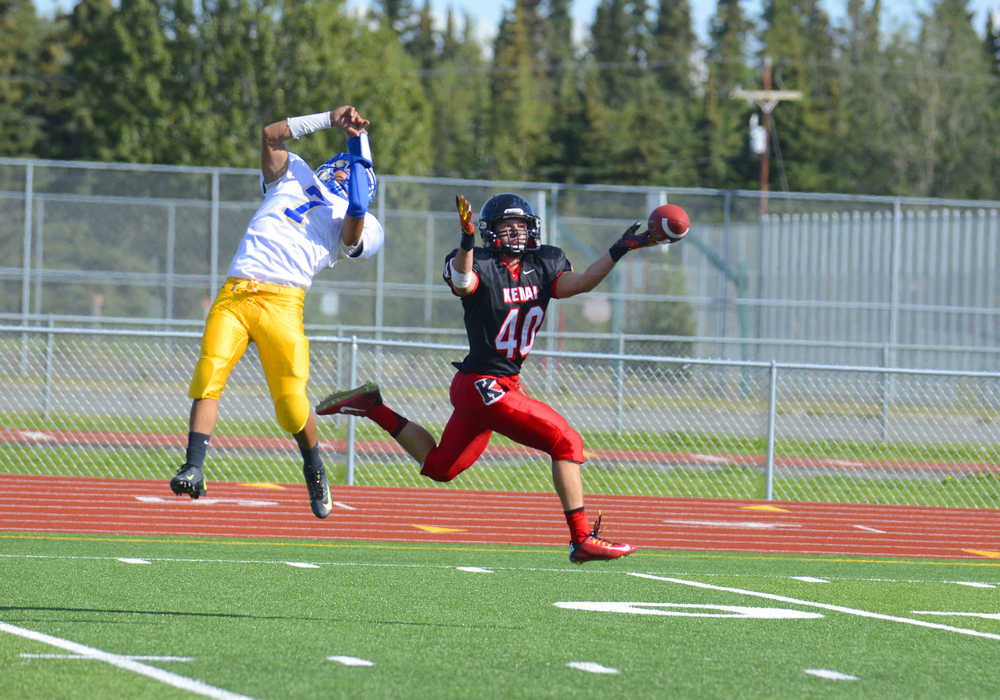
{"x":336,"y":173}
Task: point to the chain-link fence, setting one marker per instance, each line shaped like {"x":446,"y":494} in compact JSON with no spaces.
{"x":817,"y":278}
{"x":102,"y":402}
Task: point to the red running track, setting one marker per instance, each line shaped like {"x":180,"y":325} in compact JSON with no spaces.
{"x":48,"y":504}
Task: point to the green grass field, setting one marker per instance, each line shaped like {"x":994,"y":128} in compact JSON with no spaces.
{"x":283,"y":619}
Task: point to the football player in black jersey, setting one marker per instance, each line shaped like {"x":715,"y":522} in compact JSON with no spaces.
{"x":505,"y":286}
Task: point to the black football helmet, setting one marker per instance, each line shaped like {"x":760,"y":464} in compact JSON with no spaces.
{"x":501,"y":207}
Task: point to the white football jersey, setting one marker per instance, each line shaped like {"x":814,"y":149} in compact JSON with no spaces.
{"x":295,"y":232}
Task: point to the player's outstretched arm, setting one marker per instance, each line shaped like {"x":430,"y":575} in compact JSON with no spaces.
{"x":463,"y":278}
{"x":274,"y":155}
{"x":572,"y":283}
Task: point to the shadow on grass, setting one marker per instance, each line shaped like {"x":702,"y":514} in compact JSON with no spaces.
{"x":231,"y":616}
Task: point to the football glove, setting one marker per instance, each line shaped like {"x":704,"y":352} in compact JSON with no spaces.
{"x":630,"y":240}
{"x":465,"y":219}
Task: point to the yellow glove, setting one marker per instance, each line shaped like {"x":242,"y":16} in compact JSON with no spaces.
{"x":465,"y":219}
{"x":465,"y":215}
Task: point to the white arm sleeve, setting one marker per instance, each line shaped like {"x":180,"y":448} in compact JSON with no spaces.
{"x":300,"y":126}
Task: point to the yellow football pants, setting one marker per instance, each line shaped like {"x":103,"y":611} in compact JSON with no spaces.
{"x":270,"y":315}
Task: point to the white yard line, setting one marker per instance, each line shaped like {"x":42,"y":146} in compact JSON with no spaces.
{"x":823,"y":606}
{"x":124,"y":662}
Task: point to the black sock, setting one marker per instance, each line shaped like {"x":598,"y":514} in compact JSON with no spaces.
{"x":196,"y":449}
{"x":311,"y":458}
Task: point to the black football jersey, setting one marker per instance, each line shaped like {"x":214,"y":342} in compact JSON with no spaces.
{"x":506,"y":311}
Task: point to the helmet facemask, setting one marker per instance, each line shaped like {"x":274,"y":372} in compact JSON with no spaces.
{"x":511,"y":235}
{"x":508,"y":225}
{"x":336,"y":172}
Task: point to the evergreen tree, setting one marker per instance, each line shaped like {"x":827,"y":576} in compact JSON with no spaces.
{"x":957,"y":112}
{"x":669,"y":128}
{"x":563,"y":150}
{"x":992,"y":41}
{"x":22,"y":79}
{"x":384,"y":83}
{"x":672,"y":48}
{"x":423,"y":44}
{"x":726,"y":158}
{"x":865,"y":123}
{"x":459,"y":97}
{"x":557,"y":37}
{"x":798,"y":38}
{"x":614,"y":48}
{"x":518,"y":86}
{"x":645,"y":64}
{"x":399,"y":17}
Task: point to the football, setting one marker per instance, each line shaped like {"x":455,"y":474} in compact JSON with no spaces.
{"x":668,"y":222}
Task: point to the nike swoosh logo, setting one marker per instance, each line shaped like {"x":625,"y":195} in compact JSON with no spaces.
{"x":527,"y":272}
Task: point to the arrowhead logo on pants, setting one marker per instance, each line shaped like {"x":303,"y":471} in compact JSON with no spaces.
{"x":490,"y":390}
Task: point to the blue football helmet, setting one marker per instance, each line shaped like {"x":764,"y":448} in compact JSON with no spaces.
{"x":336,"y":172}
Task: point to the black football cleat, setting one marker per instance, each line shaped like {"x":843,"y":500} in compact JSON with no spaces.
{"x":189,"y":480}
{"x":319,"y":491}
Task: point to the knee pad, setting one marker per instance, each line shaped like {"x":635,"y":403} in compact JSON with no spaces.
{"x":210,"y":375}
{"x":292,"y":411}
{"x":569,"y":447}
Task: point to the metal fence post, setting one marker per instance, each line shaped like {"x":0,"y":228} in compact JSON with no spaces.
{"x":886,"y":388}
{"x":50,"y":341}
{"x":620,"y":386}
{"x":727,"y":207}
{"x":29,"y":185}
{"x":340,"y":358}
{"x":352,"y":419}
{"x":213,"y":272}
{"x":168,"y":300}
{"x":428,"y":268}
{"x":771,"y":412}
{"x":39,"y":252}
{"x":379,"y":286}
{"x":895,"y":275}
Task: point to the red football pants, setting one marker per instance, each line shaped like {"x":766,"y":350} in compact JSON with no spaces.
{"x":484,"y":405}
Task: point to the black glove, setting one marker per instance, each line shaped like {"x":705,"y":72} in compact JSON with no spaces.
{"x":630,"y":240}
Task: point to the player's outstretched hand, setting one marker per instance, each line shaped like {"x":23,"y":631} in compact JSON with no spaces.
{"x":631,"y":240}
{"x":465,"y":215}
{"x":348,"y":120}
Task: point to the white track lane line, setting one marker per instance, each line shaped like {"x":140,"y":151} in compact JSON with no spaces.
{"x":123,"y":662}
{"x":822,"y":606}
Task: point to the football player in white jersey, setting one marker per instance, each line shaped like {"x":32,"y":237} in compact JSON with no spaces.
{"x":309,"y":220}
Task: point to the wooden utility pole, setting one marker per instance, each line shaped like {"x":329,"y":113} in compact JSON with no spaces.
{"x":766,"y":99}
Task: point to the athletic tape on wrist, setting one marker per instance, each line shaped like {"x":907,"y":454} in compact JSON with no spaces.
{"x":308,"y":123}
{"x":458,"y":279}
{"x":468,"y":242}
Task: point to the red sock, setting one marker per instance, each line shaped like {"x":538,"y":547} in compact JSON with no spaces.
{"x":387,"y":419}
{"x":579,"y":528}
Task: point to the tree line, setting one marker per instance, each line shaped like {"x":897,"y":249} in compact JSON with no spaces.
{"x":642,"y":101}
